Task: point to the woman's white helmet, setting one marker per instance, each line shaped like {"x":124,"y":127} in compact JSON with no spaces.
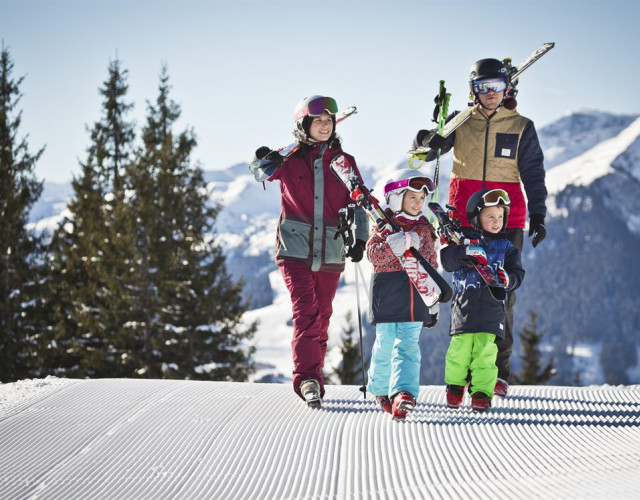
{"x":401,"y":181}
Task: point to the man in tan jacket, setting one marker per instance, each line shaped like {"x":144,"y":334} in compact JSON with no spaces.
{"x":496,"y":148}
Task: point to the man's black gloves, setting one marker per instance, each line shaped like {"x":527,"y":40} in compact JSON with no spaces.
{"x":356,"y":251}
{"x":537,"y":229}
{"x":436,"y":141}
{"x":429,"y":138}
{"x":419,"y":140}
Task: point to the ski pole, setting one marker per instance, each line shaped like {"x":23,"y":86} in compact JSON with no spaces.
{"x":440,"y":118}
{"x":363,"y":389}
{"x":364,"y":282}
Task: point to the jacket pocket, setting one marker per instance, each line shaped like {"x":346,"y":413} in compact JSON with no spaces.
{"x":294,"y":239}
{"x":506,"y":145}
{"x":333,"y":253}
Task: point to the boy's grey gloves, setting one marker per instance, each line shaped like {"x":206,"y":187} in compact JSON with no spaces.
{"x":475,"y":256}
{"x":503,"y":276}
{"x":356,"y":251}
{"x":401,"y":242}
{"x":537,"y":229}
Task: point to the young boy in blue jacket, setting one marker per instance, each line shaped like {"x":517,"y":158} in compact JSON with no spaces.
{"x":477,"y":318}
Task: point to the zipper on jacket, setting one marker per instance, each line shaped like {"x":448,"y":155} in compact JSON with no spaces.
{"x":484,"y":159}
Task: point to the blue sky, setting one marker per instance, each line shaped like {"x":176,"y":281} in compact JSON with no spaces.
{"x":238,"y":67}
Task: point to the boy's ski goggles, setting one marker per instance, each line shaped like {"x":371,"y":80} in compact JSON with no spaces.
{"x":319,"y":105}
{"x":415,"y":184}
{"x":483,"y":87}
{"x":496,"y":197}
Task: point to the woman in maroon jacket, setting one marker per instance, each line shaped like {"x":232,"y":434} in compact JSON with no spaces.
{"x":309,"y":257}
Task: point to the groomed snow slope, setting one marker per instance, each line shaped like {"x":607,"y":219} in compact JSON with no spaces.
{"x":126,"y":439}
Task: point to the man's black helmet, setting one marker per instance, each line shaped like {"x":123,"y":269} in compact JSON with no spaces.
{"x":488,"y":68}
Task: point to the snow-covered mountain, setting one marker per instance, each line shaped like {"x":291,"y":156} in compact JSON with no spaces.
{"x":576,"y":133}
{"x":178,"y":439}
{"x":583,"y":281}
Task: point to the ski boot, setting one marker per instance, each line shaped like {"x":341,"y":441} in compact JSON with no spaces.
{"x":403,"y":402}
{"x":385,"y":403}
{"x":310,"y":390}
{"x":480,"y":401}
{"x":455,"y":395}
{"x":501,"y":388}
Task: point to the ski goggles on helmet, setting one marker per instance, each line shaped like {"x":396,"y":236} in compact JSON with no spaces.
{"x":496,"y":197}
{"x":319,"y":105}
{"x":483,"y":87}
{"x":415,"y":184}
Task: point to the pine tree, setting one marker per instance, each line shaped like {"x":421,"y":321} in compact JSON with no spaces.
{"x":186,"y":311}
{"x":89,"y":256}
{"x":349,"y":371}
{"x":532,"y":372}
{"x":19,"y":249}
{"x":137,"y":284}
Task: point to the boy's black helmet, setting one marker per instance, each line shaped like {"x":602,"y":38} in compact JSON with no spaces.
{"x":488,"y":68}
{"x":485,"y":198}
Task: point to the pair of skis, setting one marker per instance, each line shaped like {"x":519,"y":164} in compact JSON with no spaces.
{"x":431,"y":286}
{"x":452,"y":231}
{"x":455,"y":122}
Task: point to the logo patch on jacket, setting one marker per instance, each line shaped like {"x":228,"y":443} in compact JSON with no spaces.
{"x":506,"y":145}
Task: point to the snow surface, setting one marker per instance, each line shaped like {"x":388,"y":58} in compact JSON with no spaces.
{"x":122,"y":438}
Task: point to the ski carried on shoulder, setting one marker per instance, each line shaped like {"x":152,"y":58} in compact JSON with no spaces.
{"x":293,"y":147}
{"x":461,"y":117}
{"x":452,"y":231}
{"x":267,"y":161}
{"x":431,"y":286}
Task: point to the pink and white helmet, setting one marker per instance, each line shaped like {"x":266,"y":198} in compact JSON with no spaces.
{"x":401,"y":181}
{"x":314,"y":105}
